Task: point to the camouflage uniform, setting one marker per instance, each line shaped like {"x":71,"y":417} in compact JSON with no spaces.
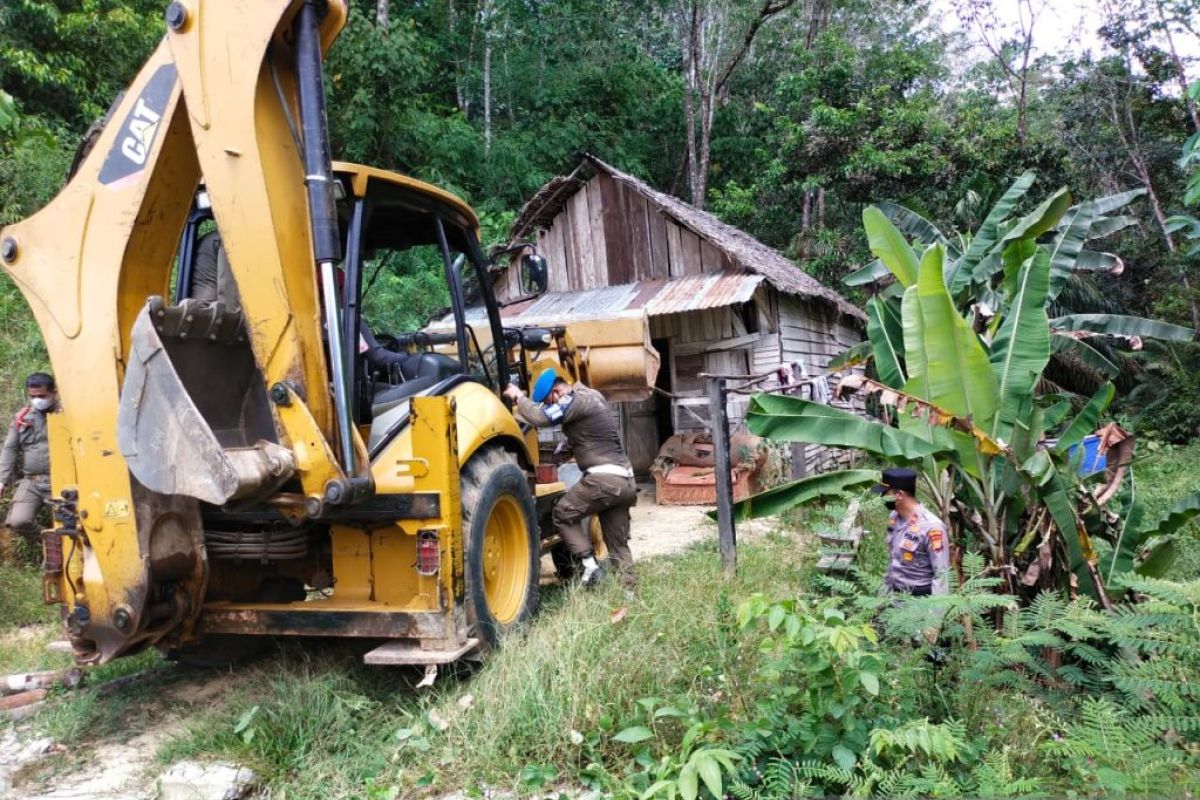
{"x":607,"y":488}
{"x":919,"y":554}
{"x":27,"y":446}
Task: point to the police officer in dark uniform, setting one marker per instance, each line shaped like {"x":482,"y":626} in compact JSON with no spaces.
{"x":607,"y":488}
{"x":26,"y":452}
{"x":919,"y":553}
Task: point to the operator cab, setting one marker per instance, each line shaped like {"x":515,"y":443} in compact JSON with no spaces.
{"x":411,"y":253}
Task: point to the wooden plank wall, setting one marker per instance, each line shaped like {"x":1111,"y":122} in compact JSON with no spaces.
{"x":712,"y":340}
{"x":814,"y":333}
{"x":608,"y":234}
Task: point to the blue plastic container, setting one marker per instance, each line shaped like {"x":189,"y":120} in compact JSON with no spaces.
{"x":1091,"y":461}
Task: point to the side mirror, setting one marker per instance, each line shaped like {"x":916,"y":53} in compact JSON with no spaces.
{"x":534,"y":273}
{"x":536,"y":340}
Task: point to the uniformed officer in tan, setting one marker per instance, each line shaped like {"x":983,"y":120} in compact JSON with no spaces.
{"x":607,"y":488}
{"x":919,"y":553}
{"x":26,"y":452}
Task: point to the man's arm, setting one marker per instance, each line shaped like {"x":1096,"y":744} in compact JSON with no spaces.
{"x":9,"y":455}
{"x":533,"y":413}
{"x":939,"y":559}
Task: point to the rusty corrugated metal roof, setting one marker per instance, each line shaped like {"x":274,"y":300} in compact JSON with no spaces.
{"x":654,"y":298}
{"x":695,"y":292}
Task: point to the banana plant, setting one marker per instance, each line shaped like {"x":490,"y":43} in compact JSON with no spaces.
{"x":960,"y":350}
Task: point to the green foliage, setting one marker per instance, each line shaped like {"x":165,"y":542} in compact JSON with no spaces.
{"x":970,"y":414}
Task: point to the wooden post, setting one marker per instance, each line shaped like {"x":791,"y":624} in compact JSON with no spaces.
{"x":726,"y":533}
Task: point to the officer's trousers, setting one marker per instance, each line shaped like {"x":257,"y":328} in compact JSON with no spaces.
{"x":31,"y":494}
{"x":610,"y":498}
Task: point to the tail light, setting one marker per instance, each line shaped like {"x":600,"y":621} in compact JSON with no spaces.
{"x":429,"y":555}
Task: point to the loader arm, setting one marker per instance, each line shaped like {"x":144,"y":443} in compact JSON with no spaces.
{"x":218,"y":99}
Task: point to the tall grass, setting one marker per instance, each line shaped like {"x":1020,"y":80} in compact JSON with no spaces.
{"x":1168,"y":473}
{"x":318,"y":724}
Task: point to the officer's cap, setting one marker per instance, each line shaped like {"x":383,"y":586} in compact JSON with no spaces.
{"x":899,"y":478}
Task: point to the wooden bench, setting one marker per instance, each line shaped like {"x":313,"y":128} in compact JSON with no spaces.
{"x":839,"y":550}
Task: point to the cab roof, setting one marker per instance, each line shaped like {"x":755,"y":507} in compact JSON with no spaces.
{"x":393,"y":188}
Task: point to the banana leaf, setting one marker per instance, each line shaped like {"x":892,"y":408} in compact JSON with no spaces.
{"x":915,"y":226}
{"x":860,"y":353}
{"x":1107,"y":226}
{"x":868,"y":274}
{"x":889,"y":246}
{"x":886,"y":335}
{"x":1120,"y":325}
{"x":1095,"y":261}
{"x":989,"y":233}
{"x":1159,"y":557}
{"x":1065,"y":250}
{"x":1137,"y":535}
{"x":1085,"y":421}
{"x":1079,"y":544}
{"x":1129,"y":536}
{"x":1042,"y":218}
{"x":916,"y":359}
{"x":806,"y":490}
{"x":960,"y":378}
{"x":1021,"y":348}
{"x":1015,"y":256}
{"x":793,"y":419}
{"x":1110,"y":203}
{"x":1184,"y":511}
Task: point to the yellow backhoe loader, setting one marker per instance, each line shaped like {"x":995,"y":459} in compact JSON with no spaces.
{"x":228,"y":470}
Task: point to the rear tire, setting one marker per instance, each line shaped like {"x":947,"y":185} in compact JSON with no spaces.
{"x":501,"y":545}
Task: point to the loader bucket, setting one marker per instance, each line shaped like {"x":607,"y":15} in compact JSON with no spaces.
{"x":194,"y":417}
{"x":615,"y":356}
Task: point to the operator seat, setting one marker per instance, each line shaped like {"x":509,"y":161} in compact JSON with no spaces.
{"x":420,"y":372}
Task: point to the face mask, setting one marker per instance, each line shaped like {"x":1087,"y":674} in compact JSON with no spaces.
{"x":42,"y":403}
{"x":890,"y":505}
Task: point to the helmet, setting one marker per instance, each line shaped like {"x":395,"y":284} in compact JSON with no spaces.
{"x":543,"y":384}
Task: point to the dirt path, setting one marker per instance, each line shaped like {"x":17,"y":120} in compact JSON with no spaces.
{"x":661,"y":530}
{"x":113,"y":766}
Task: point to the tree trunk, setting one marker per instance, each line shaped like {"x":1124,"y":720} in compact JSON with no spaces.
{"x":487,"y":95}
{"x":382,"y":13}
{"x":485,"y":28}
{"x":1181,"y":73}
{"x":706,"y":72}
{"x":1130,"y":139}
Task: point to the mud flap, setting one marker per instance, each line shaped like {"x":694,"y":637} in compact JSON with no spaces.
{"x":194,"y":418}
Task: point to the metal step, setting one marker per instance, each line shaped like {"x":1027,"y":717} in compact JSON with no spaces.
{"x":407,"y":652}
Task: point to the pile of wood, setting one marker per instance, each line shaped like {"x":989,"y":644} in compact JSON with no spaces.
{"x":21,"y":695}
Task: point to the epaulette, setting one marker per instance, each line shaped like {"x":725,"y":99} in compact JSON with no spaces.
{"x":20,"y":421}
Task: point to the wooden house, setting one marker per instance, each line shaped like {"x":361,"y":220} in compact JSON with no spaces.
{"x":718,"y":300}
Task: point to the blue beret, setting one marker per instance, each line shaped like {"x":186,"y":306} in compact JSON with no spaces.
{"x":543,"y":384}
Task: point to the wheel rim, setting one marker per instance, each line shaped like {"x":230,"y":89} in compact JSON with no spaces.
{"x":505,"y":560}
